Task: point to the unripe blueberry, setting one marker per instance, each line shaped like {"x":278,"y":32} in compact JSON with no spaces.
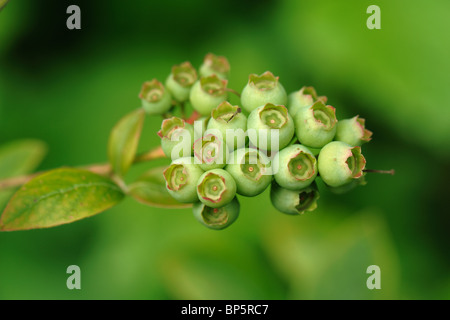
{"x":266,"y":119}
{"x":353,"y":131}
{"x":315,"y":151}
{"x":216,"y":188}
{"x":200,"y":126}
{"x":181,"y":179}
{"x":349,"y":186}
{"x":155,"y":98}
{"x":251,"y":171}
{"x":180,"y":81}
{"x":261,"y":90}
{"x":294,"y":202}
{"x":210,"y":152}
{"x":207,"y":93}
{"x":227,"y":117}
{"x":315,"y":126}
{"x":217,"y":65}
{"x":217,"y":218}
{"x":305,"y":97}
{"x":297,"y":167}
{"x":340,"y":163}
{"x":177,"y":138}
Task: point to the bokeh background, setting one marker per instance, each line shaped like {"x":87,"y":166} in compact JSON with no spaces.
{"x":69,"y":87}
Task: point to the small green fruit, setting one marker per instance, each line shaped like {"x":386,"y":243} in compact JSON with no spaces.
{"x":155,"y":98}
{"x":207,"y":93}
{"x":176,"y":138}
{"x":297,"y":167}
{"x":200,"y":126}
{"x":229,"y":121}
{"x":251,"y":170}
{"x":340,"y":163}
{"x":349,"y":186}
{"x":217,"y":65}
{"x":261,"y":90}
{"x":266,"y":120}
{"x":315,"y":126}
{"x":216,"y":188}
{"x":210,"y":152}
{"x":217,"y":218}
{"x":294,"y":202}
{"x":353,"y":131}
{"x":180,"y":81}
{"x":181,"y":179}
{"x":315,"y":151}
{"x":305,"y":97}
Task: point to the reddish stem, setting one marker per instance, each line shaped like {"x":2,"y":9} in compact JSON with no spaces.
{"x":194,"y":116}
{"x":233,"y":91}
{"x":103,"y":169}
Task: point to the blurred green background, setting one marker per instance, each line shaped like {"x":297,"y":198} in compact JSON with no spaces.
{"x":69,"y":87}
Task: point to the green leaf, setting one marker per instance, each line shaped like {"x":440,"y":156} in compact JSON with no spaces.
{"x":150,"y":189}
{"x":18,"y":158}
{"x":123,"y":141}
{"x":21,"y":157}
{"x":57,"y":197}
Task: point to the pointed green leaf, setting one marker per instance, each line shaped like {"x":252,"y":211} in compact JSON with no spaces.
{"x":150,"y":189}
{"x":18,"y":158}
{"x":57,"y":197}
{"x":123,"y":141}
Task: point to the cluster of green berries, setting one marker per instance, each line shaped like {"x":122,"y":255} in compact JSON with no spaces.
{"x":272,"y":138}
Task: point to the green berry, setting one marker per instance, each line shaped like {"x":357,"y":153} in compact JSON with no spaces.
{"x":297,"y":167}
{"x":251,"y":171}
{"x":207,"y":93}
{"x":315,"y":126}
{"x":305,"y":97}
{"x":261,"y":90}
{"x":176,"y":138}
{"x":217,"y":65}
{"x":267,"y":120}
{"x":315,"y":151}
{"x":155,"y":98}
{"x":210,"y":152}
{"x":200,"y":126}
{"x":340,"y":163}
{"x":349,"y":186}
{"x":229,"y":121}
{"x":181,"y":179}
{"x":180,"y":81}
{"x":294,"y":202}
{"x":217,"y":218}
{"x":216,"y":188}
{"x":353,"y":131}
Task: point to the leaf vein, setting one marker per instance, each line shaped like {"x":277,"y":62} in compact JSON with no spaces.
{"x":73,"y":188}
